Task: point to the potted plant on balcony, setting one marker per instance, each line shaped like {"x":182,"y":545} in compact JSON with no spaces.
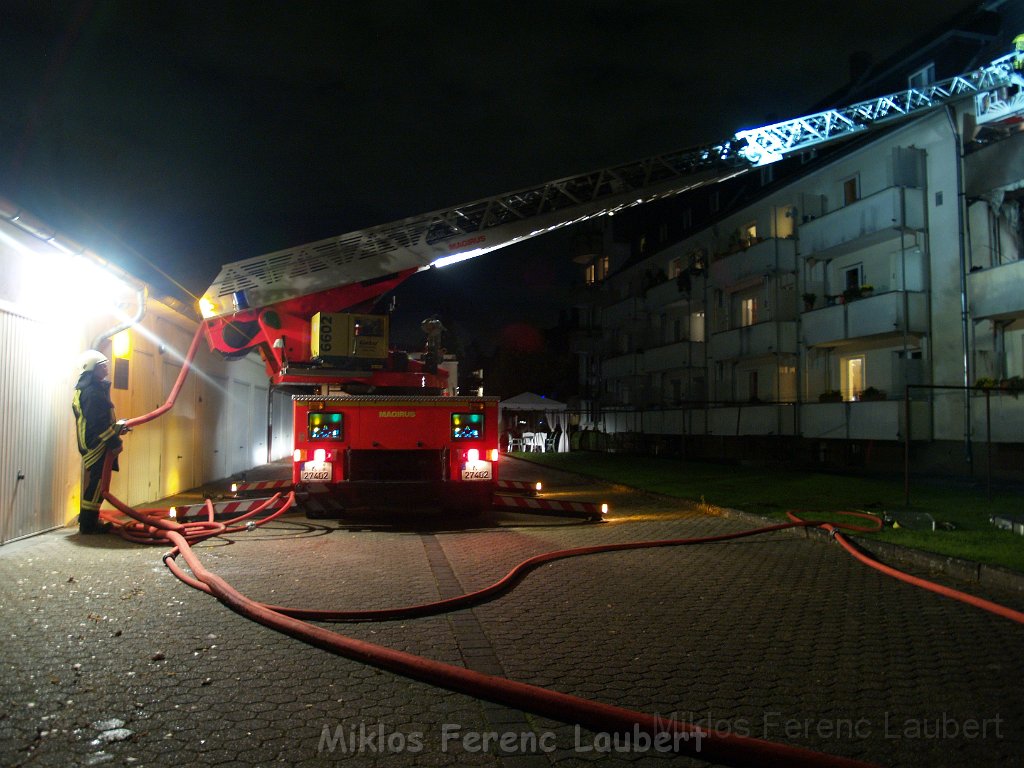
{"x":830,"y":396}
{"x":872,"y":393}
{"x":866,"y":290}
{"x":809,"y":299}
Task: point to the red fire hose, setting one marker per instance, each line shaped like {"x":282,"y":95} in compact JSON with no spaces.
{"x":686,"y":738}
{"x":185,"y":368}
{"x":931,"y":586}
{"x":151,"y":526}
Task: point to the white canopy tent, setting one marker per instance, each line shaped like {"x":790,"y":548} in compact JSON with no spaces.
{"x":553,"y":411}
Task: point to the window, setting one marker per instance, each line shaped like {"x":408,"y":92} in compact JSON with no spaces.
{"x":852,"y":279}
{"x":748,"y":311}
{"x":674,"y":268}
{"x":697,"y":326}
{"x":922,"y":77}
{"x":750,"y":232}
{"x":851,"y":190}
{"x":852,"y":376}
{"x":604,"y":267}
{"x":590,"y":277}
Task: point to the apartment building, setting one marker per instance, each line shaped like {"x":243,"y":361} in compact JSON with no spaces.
{"x":852,"y":300}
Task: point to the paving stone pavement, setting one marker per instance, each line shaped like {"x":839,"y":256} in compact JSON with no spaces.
{"x":108,"y":659}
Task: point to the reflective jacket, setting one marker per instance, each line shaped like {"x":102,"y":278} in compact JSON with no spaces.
{"x":94,"y":418}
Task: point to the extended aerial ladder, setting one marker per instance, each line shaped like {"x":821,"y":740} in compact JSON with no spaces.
{"x":267,"y":301}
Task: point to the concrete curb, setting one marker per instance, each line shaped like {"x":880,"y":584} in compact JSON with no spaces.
{"x":957,"y":568}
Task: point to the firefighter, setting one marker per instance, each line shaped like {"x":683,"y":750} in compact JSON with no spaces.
{"x":1018,"y":53}
{"x":98,"y":432}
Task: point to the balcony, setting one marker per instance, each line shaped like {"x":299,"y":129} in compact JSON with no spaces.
{"x":872,"y":316}
{"x":997,"y":293}
{"x":872,"y":220}
{"x":681,"y":354}
{"x":869,"y":420}
{"x":622,"y":366}
{"x":623,"y":312}
{"x":1005,"y":418}
{"x":667,"y":294}
{"x":753,"y":419}
{"x":754,"y":340}
{"x":764,"y":258}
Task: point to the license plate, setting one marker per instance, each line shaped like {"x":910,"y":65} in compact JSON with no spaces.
{"x":478,"y":470}
{"x":316,"y":472}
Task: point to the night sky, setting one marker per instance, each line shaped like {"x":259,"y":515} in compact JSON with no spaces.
{"x":179,"y":136}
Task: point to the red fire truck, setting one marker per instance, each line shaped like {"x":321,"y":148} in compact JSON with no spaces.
{"x":373,"y":426}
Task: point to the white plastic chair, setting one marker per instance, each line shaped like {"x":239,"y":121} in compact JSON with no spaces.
{"x":539,"y":441}
{"x":515,"y":444}
{"x":527,"y":441}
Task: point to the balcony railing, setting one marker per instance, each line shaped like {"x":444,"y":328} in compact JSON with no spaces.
{"x":870,"y":316}
{"x":997,"y":292}
{"x":753,"y":340}
{"x":753,"y":419}
{"x":623,"y":366}
{"x":866,"y":222}
{"x":869,"y":420}
{"x":681,"y":354}
{"x":1003,"y":420}
{"x":622,"y":312}
{"x":764,"y":258}
{"x":667,"y":294}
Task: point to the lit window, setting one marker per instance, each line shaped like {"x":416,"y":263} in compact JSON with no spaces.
{"x":853,"y":372}
{"x":748,"y":311}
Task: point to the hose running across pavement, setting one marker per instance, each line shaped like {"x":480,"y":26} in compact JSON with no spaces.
{"x":931,"y":586}
{"x":687,"y":738}
{"x":725,"y":748}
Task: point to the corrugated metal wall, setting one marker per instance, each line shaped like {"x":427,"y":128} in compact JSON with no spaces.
{"x":38,"y":472}
{"x":218,"y":426}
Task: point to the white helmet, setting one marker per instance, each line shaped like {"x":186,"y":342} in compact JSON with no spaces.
{"x":89,"y":359}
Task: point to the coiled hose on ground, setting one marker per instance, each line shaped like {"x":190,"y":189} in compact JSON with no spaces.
{"x":152,"y":526}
